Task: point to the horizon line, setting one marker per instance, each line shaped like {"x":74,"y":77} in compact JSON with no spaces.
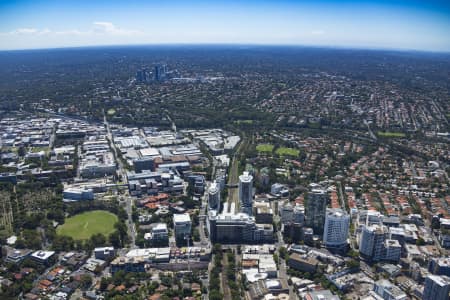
{"x":333,"y":47}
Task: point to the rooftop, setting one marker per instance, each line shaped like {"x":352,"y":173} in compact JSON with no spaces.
{"x":440,"y":280}
{"x":181,"y":218}
{"x":42,"y":255}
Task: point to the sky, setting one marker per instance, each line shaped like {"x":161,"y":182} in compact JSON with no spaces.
{"x":375,"y":24}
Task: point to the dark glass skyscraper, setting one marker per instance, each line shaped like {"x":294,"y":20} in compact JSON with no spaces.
{"x":160,"y":72}
{"x":315,"y":209}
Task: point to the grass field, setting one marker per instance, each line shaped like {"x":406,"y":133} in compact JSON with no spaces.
{"x":390,"y":134}
{"x":84,"y":225}
{"x":39,"y":149}
{"x":284,"y":151}
{"x":264,"y":148}
{"x":243,"y":122}
{"x":111,"y":111}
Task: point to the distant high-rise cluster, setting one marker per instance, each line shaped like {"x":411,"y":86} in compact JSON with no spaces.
{"x":160,"y":74}
{"x":142,"y":76}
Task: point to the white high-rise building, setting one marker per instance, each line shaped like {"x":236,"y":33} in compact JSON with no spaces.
{"x":214,"y":196}
{"x":246,"y":192}
{"x":337,"y":223}
{"x":371,"y":244}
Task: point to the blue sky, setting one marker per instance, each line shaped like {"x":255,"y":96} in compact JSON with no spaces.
{"x":391,"y":24}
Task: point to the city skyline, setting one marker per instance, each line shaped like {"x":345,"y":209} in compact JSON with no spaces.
{"x":375,"y":24}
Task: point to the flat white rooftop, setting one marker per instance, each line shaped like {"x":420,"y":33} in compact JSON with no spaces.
{"x":181,"y":218}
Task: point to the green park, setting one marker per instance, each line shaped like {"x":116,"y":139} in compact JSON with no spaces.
{"x":83,"y":226}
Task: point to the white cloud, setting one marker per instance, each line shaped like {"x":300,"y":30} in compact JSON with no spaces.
{"x":109,"y":28}
{"x":25,"y":31}
{"x":98,"y":29}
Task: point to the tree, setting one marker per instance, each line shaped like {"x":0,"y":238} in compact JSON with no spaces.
{"x":31,"y":239}
{"x":86,"y":281}
{"x":353,"y":254}
{"x":57,"y":215}
{"x":62,"y":243}
{"x":114,"y":239}
{"x":275,"y":258}
{"x":98,"y":240}
{"x":215,"y":295}
{"x":21,"y":151}
{"x":103,"y":283}
{"x":196,"y":235}
{"x":217,"y":249}
{"x":283,"y":252}
{"x":122,"y":230}
{"x":352,"y":263}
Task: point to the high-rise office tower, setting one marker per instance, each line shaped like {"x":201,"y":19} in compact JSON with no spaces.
{"x":315,"y":209}
{"x":246,"y":192}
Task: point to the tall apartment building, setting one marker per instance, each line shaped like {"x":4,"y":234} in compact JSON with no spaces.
{"x":246,"y":192}
{"x":372,"y":241}
{"x":315,"y":209}
{"x":369,"y":217}
{"x":292,"y":214}
{"x":214,"y":196}
{"x":337,"y":223}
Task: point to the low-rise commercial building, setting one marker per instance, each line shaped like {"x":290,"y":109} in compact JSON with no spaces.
{"x":42,"y":257}
{"x":389,"y":291}
{"x":78,"y":194}
{"x":158,"y":235}
{"x":303,"y":263}
{"x":104,"y":253}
